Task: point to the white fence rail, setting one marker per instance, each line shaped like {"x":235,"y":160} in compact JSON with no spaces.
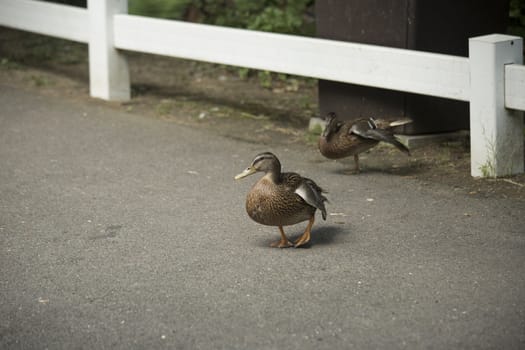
{"x":370,"y":65}
{"x":515,"y":86}
{"x":491,"y":79}
{"x":66,"y":22}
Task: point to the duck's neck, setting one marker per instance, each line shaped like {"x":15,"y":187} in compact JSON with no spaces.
{"x":274,"y":175}
{"x":330,"y":131}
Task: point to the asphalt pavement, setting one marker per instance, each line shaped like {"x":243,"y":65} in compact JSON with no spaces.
{"x":125,"y":232}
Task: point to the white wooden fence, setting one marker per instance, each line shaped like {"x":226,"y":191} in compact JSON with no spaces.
{"x":491,"y":79}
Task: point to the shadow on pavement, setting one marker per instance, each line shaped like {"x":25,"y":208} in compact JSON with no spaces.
{"x":320,"y":236}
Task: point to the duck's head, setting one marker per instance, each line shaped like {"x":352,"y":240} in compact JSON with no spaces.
{"x":332,"y":125}
{"x":264,"y":162}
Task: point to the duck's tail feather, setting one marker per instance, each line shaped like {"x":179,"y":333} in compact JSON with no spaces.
{"x":400,"y":122}
{"x":387,"y":136}
{"x":322,"y":207}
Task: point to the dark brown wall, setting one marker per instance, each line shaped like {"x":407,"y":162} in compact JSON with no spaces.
{"x":442,"y":26}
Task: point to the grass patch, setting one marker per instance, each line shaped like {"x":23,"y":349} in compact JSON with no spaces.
{"x":41,"y":80}
{"x":312,"y":135}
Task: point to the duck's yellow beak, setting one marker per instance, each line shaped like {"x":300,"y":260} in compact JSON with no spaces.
{"x":248,"y":171}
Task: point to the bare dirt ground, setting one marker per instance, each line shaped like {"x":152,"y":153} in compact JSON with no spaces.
{"x":225,"y":101}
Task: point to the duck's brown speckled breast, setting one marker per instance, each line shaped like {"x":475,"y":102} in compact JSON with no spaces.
{"x":269,"y":204}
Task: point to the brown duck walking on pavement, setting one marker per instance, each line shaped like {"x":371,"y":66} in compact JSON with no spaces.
{"x":281,"y":199}
{"x":342,"y":139}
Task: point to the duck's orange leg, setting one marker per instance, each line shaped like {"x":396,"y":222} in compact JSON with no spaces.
{"x":284,"y":242}
{"x":305,"y":237}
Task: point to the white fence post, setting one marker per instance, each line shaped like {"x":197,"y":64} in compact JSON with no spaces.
{"x":108,"y":68}
{"x":496,"y":132}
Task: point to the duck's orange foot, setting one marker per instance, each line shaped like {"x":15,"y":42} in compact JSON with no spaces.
{"x":282,"y":244}
{"x":305,"y":238}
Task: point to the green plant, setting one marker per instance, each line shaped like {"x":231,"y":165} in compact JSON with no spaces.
{"x":312,"y":136}
{"x":281,"y":16}
{"x":6,"y":63}
{"x":265,"y":78}
{"x":488,"y":169}
{"x":40,"y":80}
{"x":243,"y":73}
{"x":164,"y":107}
{"x":171,"y":9}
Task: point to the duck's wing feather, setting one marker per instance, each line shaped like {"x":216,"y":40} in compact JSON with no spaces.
{"x":368,"y":129}
{"x":309,"y":191}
